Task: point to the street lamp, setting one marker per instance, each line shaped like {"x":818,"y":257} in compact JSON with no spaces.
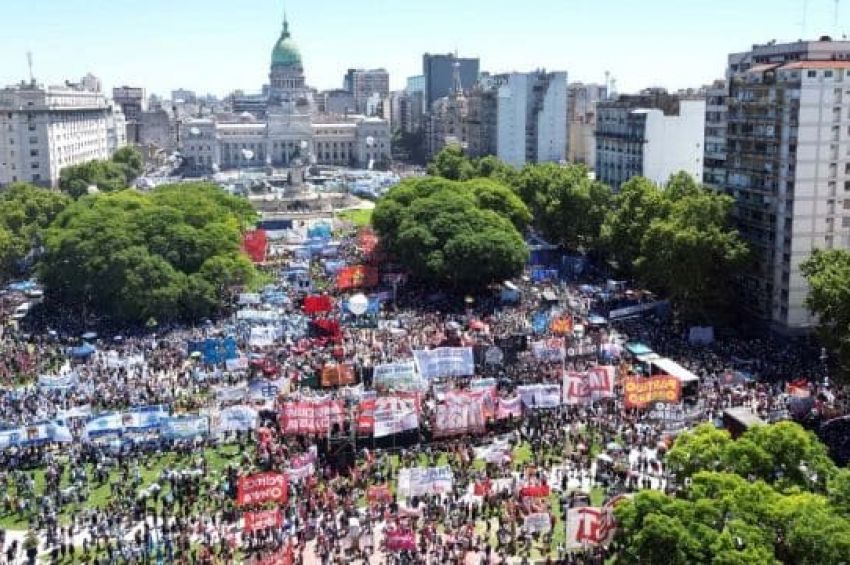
{"x":823,"y":359}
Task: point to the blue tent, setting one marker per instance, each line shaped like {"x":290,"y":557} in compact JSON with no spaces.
{"x":82,"y":352}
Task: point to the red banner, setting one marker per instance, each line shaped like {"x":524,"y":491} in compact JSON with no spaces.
{"x":400,"y":540}
{"x":261,"y":488}
{"x":379,"y":494}
{"x":357,"y":277}
{"x":337,"y":375}
{"x":330,"y":329}
{"x":509,"y":408}
{"x":261,"y":520}
{"x":639,"y":392}
{"x":482,"y":488}
{"x":254,"y":244}
{"x":315,"y":304}
{"x":310,"y":417}
{"x":534,"y":491}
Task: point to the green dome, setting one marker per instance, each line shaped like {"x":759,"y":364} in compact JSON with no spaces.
{"x":285,"y":51}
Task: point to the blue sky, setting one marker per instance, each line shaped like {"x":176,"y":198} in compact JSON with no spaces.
{"x":219,"y":45}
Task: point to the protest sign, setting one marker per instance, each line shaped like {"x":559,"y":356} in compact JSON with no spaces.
{"x":591,"y":526}
{"x":398,"y":376}
{"x":538,"y":522}
{"x":335,"y":374}
{"x":459,"y":413}
{"x":261,"y":488}
{"x":551,"y":350}
{"x":640,"y":392}
{"x":261,"y":520}
{"x":418,"y":481}
{"x":311,"y":416}
{"x":445,"y":362}
{"x":540,"y":395}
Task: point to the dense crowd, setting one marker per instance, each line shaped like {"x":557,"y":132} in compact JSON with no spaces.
{"x":152,"y":499}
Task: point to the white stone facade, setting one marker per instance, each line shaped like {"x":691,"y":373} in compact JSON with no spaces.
{"x":43,"y":130}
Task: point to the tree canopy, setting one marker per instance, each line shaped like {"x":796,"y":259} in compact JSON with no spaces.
{"x":25,"y":211}
{"x":760,"y":499}
{"x":169,"y":254}
{"x":464,"y":234}
{"x":828,"y":275}
{"x":109,"y":175}
{"x":678,"y":241}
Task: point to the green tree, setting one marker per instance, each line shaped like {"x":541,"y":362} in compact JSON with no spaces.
{"x":451,"y":164}
{"x":25,"y":211}
{"x":728,"y":514}
{"x":638,"y":203}
{"x":462,"y":234}
{"x":828,"y":275}
{"x":693,"y":254}
{"x":131,"y":159}
{"x":169,"y":254}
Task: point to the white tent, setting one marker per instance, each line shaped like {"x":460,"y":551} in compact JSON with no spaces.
{"x":674,"y":370}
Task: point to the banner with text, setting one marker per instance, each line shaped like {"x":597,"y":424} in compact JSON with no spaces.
{"x":640,"y":392}
{"x":445,"y":362}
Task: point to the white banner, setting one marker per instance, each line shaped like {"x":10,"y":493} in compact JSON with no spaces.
{"x":425,"y":480}
{"x":539,"y":522}
{"x":590,"y":526}
{"x":540,"y":395}
{"x":394,"y":417}
{"x":398,"y":376}
{"x":587,"y":387}
{"x":445,"y":362}
{"x":552,"y":350}
{"x":459,"y":414}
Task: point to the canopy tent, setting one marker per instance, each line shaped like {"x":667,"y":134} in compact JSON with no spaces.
{"x":673,"y":369}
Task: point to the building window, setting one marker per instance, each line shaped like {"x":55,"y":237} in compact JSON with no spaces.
{"x":33,"y":152}
{"x":812,"y":74}
{"x":827,"y":74}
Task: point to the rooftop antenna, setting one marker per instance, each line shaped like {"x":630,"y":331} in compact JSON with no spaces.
{"x":29,"y":64}
{"x":803,"y":22}
{"x":835,"y":17}
{"x":607,"y":83}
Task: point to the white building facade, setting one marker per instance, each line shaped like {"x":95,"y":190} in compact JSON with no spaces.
{"x":43,"y":130}
{"x":787,"y":164}
{"x":291,"y":131}
{"x":653,"y":134}
{"x":532,"y":118}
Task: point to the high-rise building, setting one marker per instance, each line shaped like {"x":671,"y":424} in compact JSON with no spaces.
{"x":714,"y":161}
{"x":581,"y":121}
{"x":364,"y":84}
{"x":787,"y":164}
{"x":184,"y":96}
{"x":46,"y":129}
{"x":438,"y":71}
{"x":132,"y":101}
{"x":532,"y":118}
{"x":339,"y":102}
{"x":652,"y":134}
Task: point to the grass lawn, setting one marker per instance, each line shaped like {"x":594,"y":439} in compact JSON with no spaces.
{"x":359,"y":218}
{"x":217,"y":460}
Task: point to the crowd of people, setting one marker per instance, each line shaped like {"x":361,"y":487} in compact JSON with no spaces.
{"x":148,"y":497}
